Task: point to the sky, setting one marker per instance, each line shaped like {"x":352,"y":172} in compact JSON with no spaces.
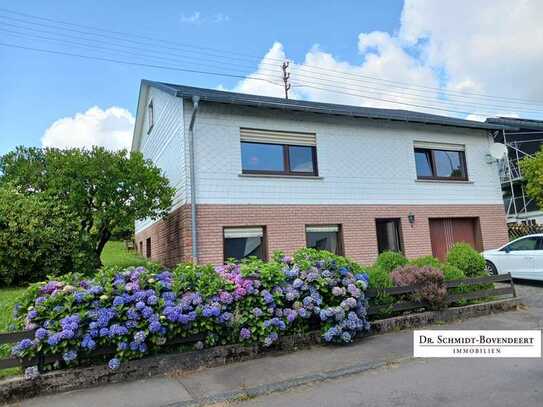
{"x":467,"y":58}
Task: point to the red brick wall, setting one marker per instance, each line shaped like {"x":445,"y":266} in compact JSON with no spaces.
{"x":285,"y":228}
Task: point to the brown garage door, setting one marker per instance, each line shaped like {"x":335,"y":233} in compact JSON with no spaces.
{"x":444,"y":232}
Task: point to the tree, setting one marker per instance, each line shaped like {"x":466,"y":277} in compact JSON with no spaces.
{"x":106,"y":190}
{"x":532,"y":170}
{"x":39,"y":237}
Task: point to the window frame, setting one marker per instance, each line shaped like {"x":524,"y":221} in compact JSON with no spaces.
{"x":399,"y":231}
{"x":150,"y":116}
{"x":264,"y":240}
{"x":340,"y":246}
{"x":433,"y":167}
{"x":286,"y":161}
{"x":538,"y":244}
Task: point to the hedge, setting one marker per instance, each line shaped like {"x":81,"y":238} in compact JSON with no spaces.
{"x":137,"y":310}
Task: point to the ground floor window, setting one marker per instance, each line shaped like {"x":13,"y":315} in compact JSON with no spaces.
{"x":243,"y":242}
{"x":141,"y":247}
{"x":148,"y":247}
{"x":389,"y":236}
{"x":324,"y":237}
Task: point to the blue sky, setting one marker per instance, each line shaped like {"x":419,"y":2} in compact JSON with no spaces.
{"x":39,"y":88}
{"x":412,"y":55}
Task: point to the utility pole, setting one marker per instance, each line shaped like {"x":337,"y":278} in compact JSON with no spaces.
{"x":286,"y":76}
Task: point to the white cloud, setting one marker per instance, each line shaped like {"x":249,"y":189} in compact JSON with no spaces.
{"x":111,"y":128}
{"x":465,"y":47}
{"x":194,"y":18}
{"x":197,"y":18}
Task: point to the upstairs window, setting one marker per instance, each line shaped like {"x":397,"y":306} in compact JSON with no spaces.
{"x":440,"y":162}
{"x":324,"y":237}
{"x":243,"y":242}
{"x":150,"y":117}
{"x":279,"y":153}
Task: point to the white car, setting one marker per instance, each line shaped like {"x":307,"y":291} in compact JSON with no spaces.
{"x":523,"y":258}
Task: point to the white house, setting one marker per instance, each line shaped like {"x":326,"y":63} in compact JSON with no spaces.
{"x":274,"y":174}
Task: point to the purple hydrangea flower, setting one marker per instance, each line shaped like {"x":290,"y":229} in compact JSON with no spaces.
{"x":244,"y":333}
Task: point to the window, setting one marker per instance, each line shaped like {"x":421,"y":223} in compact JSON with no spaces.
{"x":258,"y":158}
{"x":150,"y":116}
{"x":389,"y":237}
{"x":141,"y":247}
{"x":278,"y":152}
{"x":527,"y":243}
{"x":437,"y":163}
{"x":243,"y":242}
{"x":148,"y":247}
{"x":325,"y":237}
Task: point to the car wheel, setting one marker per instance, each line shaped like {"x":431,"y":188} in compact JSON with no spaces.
{"x":490,"y":268}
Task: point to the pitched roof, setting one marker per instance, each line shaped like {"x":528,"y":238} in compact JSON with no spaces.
{"x":243,"y":99}
{"x":516,"y":123}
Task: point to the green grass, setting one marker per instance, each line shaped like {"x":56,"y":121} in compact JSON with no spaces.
{"x":8,"y":298}
{"x":114,"y":254}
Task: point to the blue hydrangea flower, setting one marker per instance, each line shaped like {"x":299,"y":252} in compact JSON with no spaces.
{"x":139,"y":337}
{"x":118,"y":301}
{"x":41,"y":334}
{"x":69,"y":356}
{"x":114,"y":363}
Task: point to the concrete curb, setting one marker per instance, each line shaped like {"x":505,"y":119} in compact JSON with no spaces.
{"x":285,"y":385}
{"x":18,"y":388}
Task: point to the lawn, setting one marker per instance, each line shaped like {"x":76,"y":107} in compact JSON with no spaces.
{"x":114,"y":254}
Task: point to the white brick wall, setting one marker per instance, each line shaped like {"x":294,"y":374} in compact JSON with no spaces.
{"x":165,"y":144}
{"x":360,"y":161}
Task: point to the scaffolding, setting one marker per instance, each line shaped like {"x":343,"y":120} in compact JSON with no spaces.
{"x":519,"y":207}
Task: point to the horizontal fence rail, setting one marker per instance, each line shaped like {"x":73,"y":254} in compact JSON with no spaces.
{"x":400,"y":306}
{"x":404,"y":305}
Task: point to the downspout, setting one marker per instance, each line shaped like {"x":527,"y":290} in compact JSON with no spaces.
{"x":195,"y":106}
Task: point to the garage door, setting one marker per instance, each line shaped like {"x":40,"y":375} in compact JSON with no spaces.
{"x":444,"y":232}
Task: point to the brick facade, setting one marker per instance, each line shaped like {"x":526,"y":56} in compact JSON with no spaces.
{"x":285,"y":228}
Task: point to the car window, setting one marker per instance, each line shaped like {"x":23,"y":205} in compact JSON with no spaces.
{"x":528,"y":243}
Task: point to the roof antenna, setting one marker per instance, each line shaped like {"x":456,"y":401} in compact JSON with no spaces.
{"x":286,"y":76}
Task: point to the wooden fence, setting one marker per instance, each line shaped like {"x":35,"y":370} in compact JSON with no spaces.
{"x":519,"y":229}
{"x":452,"y":298}
{"x":400,"y":306}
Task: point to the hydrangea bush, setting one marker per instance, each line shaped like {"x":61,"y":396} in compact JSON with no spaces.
{"x":138,"y":311}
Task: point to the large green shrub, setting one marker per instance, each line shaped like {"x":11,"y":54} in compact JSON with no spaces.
{"x":426,"y":261}
{"x":463,"y":256}
{"x":38,"y":237}
{"x":388,"y":261}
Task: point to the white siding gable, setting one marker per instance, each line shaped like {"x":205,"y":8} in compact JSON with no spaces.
{"x":165,"y":143}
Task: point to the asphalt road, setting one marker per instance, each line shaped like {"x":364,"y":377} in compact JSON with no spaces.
{"x":432,"y":382}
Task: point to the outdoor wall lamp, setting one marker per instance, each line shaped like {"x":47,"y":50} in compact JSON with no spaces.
{"x":411,"y":218}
